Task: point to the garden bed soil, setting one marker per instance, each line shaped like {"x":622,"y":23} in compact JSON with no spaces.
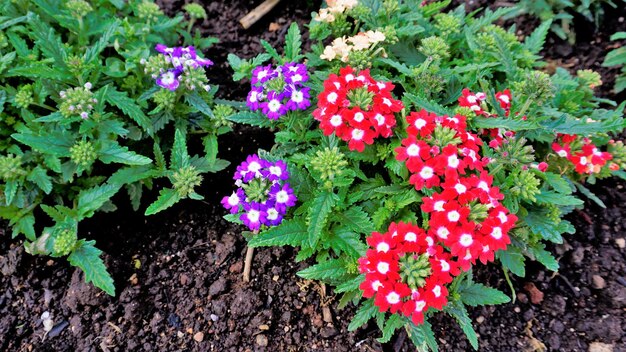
{"x":178,"y":274}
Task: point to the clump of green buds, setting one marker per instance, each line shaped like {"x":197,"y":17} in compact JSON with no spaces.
{"x":414,"y":269}
{"x":515,"y":151}
{"x":360,"y":97}
{"x":149,"y":11}
{"x":195,"y":11}
{"x":525,"y":184}
{"x":76,"y":64}
{"x":435,"y":47}
{"x":83,"y":153}
{"x":488,"y":37}
{"x":442,"y":136}
{"x":78,"y":8}
{"x":222,"y":113}
{"x":589,"y":78}
{"x":24,"y":96}
{"x":77,"y":101}
{"x":191,"y":79}
{"x":165,"y":99}
{"x":11,"y":167}
{"x":618,"y":150}
{"x":185,"y":180}
{"x":536,"y":86}
{"x":448,"y":24}
{"x":64,"y":242}
{"x":328,"y":164}
{"x":390,"y":6}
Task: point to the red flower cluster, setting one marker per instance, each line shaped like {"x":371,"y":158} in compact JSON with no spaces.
{"x":406,"y":271}
{"x":477,"y":103}
{"x":431,"y":163}
{"x":585,"y":156}
{"x":356,"y":108}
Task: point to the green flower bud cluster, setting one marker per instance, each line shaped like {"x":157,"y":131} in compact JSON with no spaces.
{"x":185,"y":180}
{"x":11,"y":167}
{"x":618,"y":150}
{"x":448,"y":24}
{"x":488,"y":37}
{"x":465,"y":111}
{"x":78,"y":8}
{"x":329,"y":163}
{"x":64,"y":242}
{"x":514,"y":151}
{"x":195,"y":11}
{"x":536,"y":86}
{"x":77,"y":101}
{"x":360,"y":97}
{"x":131,"y":83}
{"x":165,"y":98}
{"x":525,"y":185}
{"x":553,"y":213}
{"x":391,"y":34}
{"x":24,"y":96}
{"x":390,"y":6}
{"x":155,"y":65}
{"x":193,"y":79}
{"x":478,"y":212}
{"x":4,"y":42}
{"x":429,"y":82}
{"x":360,"y":59}
{"x":76,"y":64}
{"x":149,"y":11}
{"x":222,"y":112}
{"x":435,"y":48}
{"x":442,"y":136}
{"x":414,"y":270}
{"x":589,"y":78}
{"x":83,"y":153}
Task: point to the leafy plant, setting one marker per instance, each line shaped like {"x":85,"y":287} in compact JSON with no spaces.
{"x":434,"y":145}
{"x":617,"y":57}
{"x":561,"y":13}
{"x":85,"y":112}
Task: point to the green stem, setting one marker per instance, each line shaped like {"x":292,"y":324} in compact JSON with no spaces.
{"x":45,"y":106}
{"x":508,"y":281}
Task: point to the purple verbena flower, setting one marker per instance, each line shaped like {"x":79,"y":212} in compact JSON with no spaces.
{"x":250,"y":168}
{"x":255,"y":98}
{"x":294,"y":73}
{"x":283,"y":196}
{"x":278,"y":171}
{"x":169,"y":80}
{"x":262,"y":74}
{"x":274,"y":108}
{"x":298,"y":98}
{"x":233,"y":201}
{"x":273,"y":216}
{"x":253,"y":216}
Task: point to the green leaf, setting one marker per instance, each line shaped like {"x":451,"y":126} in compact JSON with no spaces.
{"x":431,"y":106}
{"x":456,"y":310}
{"x":195,"y":100}
{"x":167,"y":198}
{"x":587,"y":193}
{"x":293,"y":42}
{"x":25,"y":225}
{"x":250,"y":118}
{"x":57,"y":144}
{"x":332,"y":269}
{"x":270,"y":50}
{"x":10,"y":190}
{"x":289,"y":233}
{"x":539,"y":222}
{"x":111,"y":152}
{"x":92,"y":199}
{"x":128,"y":106}
{"x":318,"y":213}
{"x":87,"y":258}
{"x":505,"y":123}
{"x":47,"y":40}
{"x":95,"y":50}
{"x":366,"y":311}
{"x":512,"y":260}
{"x":558,"y":183}
{"x":421,"y":335}
{"x":350,"y":285}
{"x":479,"y":294}
{"x":210,"y":147}
{"x":347,"y":241}
{"x":163,"y":25}
{"x":39,"y":176}
{"x":356,"y":219}
{"x":544,"y":257}
{"x":179,"y":158}
{"x":391,"y":325}
{"x":535,"y":41}
{"x":13,"y":21}
{"x":549,"y":197}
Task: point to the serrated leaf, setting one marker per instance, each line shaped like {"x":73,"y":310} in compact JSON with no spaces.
{"x":422,"y":103}
{"x":343,"y":239}
{"x":270,"y":50}
{"x":95,"y":50}
{"x":57,"y":144}
{"x":544,"y":257}
{"x":391,"y":325}
{"x":318,"y":213}
{"x":111,"y":152}
{"x":167,"y":24}
{"x":356,"y":219}
{"x":513,"y":260}
{"x":332,"y":269}
{"x":128,"y":106}
{"x":250,"y":118}
{"x":39,"y":176}
{"x":366,"y":311}
{"x":25,"y":225}
{"x":479,"y":294}
{"x":87,"y":258}
{"x":422,"y":335}
{"x":534,"y":42}
{"x":48,"y":41}
{"x":549,"y":197}
{"x":210,"y":147}
{"x":92,"y":199}
{"x":459,"y":313}
{"x":539,"y":223}
{"x":195,"y":100}
{"x":587,"y":193}
{"x":350,"y":285}
{"x":558,"y":183}
{"x":289,"y":233}
{"x":179,"y":158}
{"x":167,"y":198}
{"x":293,"y":42}
{"x":505,"y":123}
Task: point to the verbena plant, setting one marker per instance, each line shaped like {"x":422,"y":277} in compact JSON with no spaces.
{"x":92,"y":101}
{"x":561,"y":13}
{"x":433,"y":145}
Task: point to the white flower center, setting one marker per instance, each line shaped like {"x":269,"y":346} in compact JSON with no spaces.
{"x":439,"y":205}
{"x":380,"y":119}
{"x":427,"y":172}
{"x":272,"y":214}
{"x":444,"y":265}
{"x":502,"y":216}
{"x":275,"y":170}
{"x":253,"y":215}
{"x":437,"y":291}
{"x":420,"y":305}
{"x":358,"y":117}
{"x":419,"y":123}
{"x":357,"y":134}
{"x":386,"y":101}
{"x":382,"y":267}
{"x":254,"y":167}
{"x":413,"y":150}
{"x":297,"y":97}
{"x":376,"y":285}
{"x":483,"y":185}
{"x":454,"y":216}
{"x":453,"y":161}
{"x":393,"y":298}
{"x":410,"y":237}
{"x":496,"y":233}
{"x":443,"y":232}
{"x":335,"y":120}
{"x":233,"y":199}
{"x":471,"y":99}
{"x":282,"y":196}
{"x":168,"y":78}
{"x":466,"y":240}
{"x":274,"y":105}
{"x":262,"y":75}
{"x":460,"y":188}
{"x":382,"y":247}
{"x":332,"y":97}
{"x":296,"y":78}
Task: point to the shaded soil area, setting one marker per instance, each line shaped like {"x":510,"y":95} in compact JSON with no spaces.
{"x":178,"y":274}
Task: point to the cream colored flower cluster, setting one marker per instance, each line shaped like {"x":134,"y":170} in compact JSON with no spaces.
{"x":341,"y":47}
{"x":334,"y":7}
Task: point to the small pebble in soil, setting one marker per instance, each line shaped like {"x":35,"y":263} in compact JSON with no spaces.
{"x":480,"y":319}
{"x":261,"y":340}
{"x":57,"y":329}
{"x":536,"y":296}
{"x":620,"y":242}
{"x":199,"y":336}
{"x":600,"y":347}
{"x":598,"y":282}
{"x":214,"y":317}
{"x":264,"y":327}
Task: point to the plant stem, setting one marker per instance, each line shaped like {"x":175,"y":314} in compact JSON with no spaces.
{"x":248,"y":264}
{"x":508,"y":281}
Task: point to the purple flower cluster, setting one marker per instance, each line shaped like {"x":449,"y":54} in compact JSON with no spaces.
{"x":182,"y":58}
{"x":278,"y":90}
{"x":263,"y":195}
